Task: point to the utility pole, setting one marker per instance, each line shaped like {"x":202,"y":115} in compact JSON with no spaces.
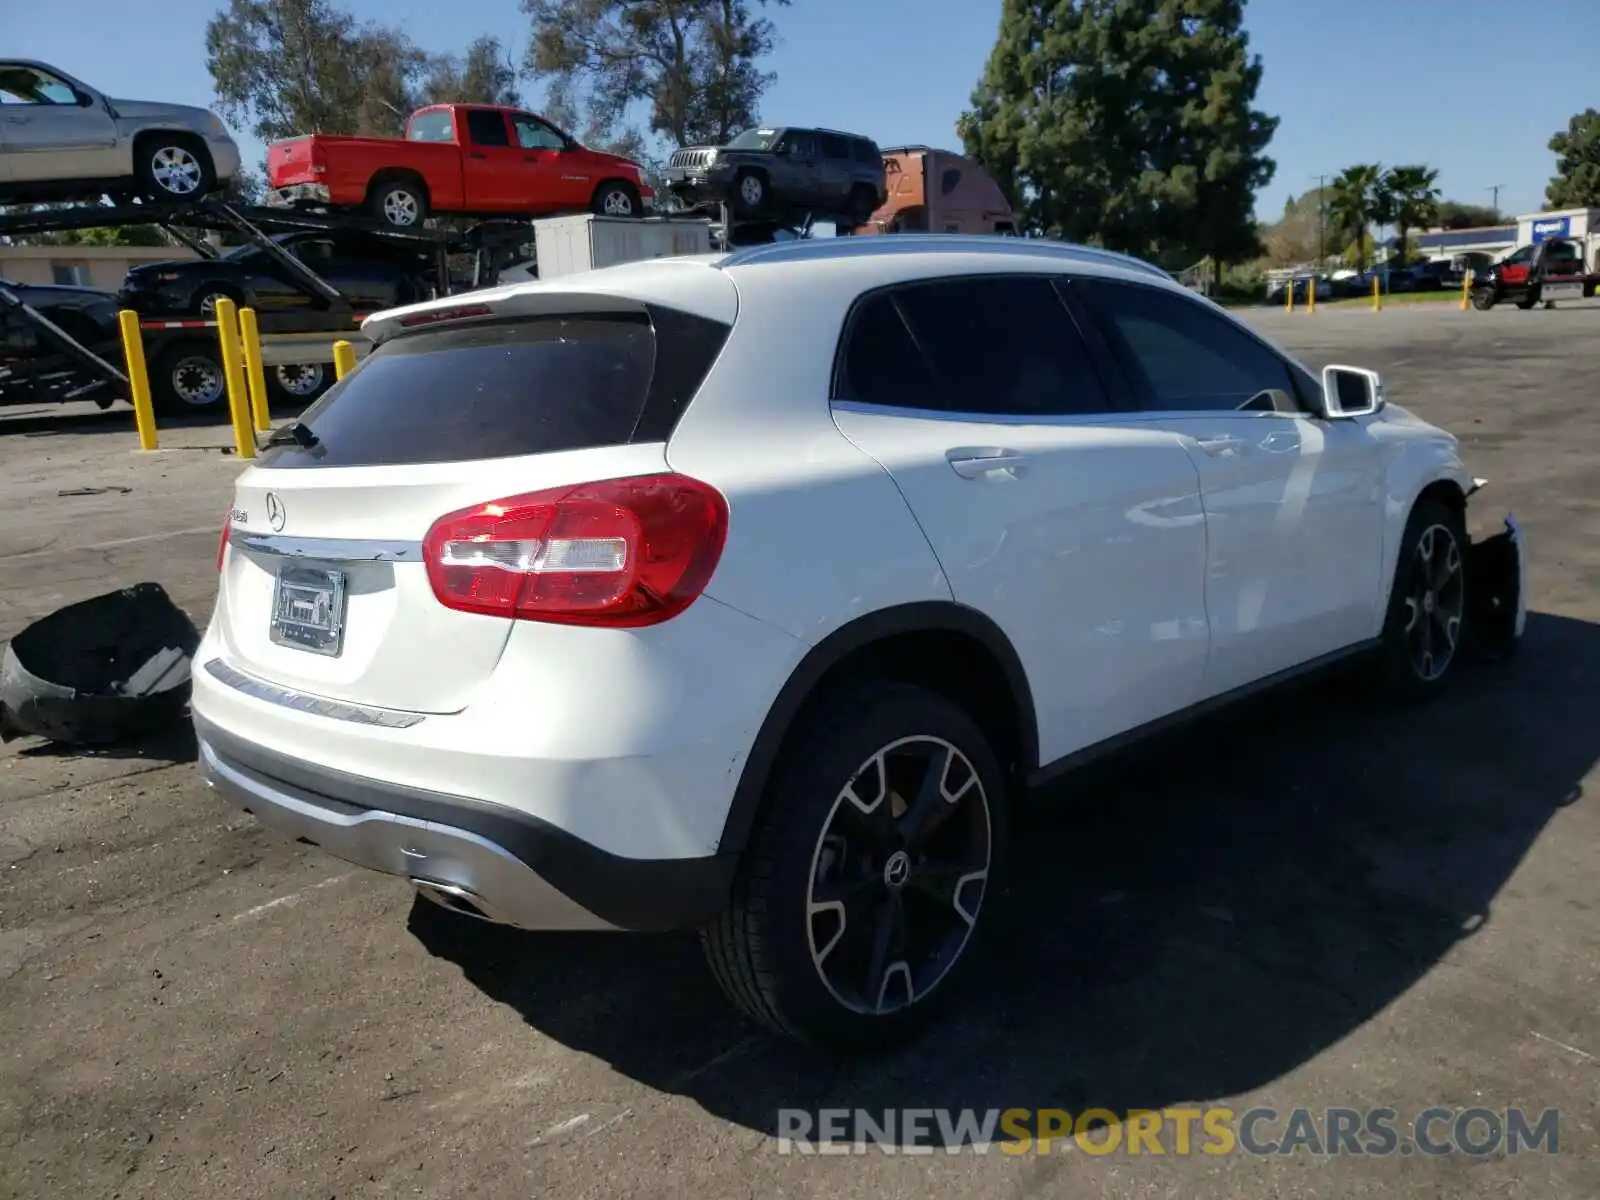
{"x":1494,"y":190}
{"x":1322,"y":219}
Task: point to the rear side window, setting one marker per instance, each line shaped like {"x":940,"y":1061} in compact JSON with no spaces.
{"x":488,"y":127}
{"x":510,"y":388}
{"x":834,"y":146}
{"x":1004,"y":346}
{"x":866,"y":153}
{"x":1181,"y":356}
{"x":432,"y":127}
{"x":881,"y":363}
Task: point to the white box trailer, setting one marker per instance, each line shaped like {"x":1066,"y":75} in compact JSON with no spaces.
{"x":586,"y":242}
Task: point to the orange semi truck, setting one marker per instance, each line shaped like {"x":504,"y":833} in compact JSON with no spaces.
{"x":938,"y":191}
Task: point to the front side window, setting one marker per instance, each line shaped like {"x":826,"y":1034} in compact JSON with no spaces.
{"x":29,"y":85}
{"x":801,"y":145}
{"x":534,"y":134}
{"x":1180,"y":356}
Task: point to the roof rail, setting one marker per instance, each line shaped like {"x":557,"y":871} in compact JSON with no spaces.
{"x":810,"y":249}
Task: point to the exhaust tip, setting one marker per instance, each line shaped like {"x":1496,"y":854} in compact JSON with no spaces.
{"x":448,"y":895}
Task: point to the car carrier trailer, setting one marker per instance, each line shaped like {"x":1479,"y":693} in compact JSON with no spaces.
{"x":183,"y":354}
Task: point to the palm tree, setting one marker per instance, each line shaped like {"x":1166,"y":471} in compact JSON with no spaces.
{"x":1413,"y":201}
{"x":1351,"y":208}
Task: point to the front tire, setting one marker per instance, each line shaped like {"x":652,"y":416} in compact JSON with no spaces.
{"x":868,"y":874}
{"x":1422,"y":632}
{"x":749,"y":193}
{"x":1482,"y":300}
{"x":617,"y":200}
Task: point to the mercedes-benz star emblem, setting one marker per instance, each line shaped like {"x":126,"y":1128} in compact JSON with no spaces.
{"x":897,"y":870}
{"x":275,"y":514}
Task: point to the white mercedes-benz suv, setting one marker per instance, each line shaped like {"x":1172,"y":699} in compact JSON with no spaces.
{"x":749,"y":592}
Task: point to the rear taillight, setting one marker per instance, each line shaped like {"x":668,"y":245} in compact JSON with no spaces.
{"x":222,"y":543}
{"x":621,"y":552}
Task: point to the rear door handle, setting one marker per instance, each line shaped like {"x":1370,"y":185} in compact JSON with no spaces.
{"x":477,"y":154}
{"x":1220,"y":446}
{"x":972,"y":464}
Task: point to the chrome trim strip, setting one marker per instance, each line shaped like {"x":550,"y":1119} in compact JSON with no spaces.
{"x":339,"y":710}
{"x":327,"y":549}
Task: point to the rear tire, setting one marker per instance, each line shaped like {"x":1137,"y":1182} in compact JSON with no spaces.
{"x":863,"y":203}
{"x":300,"y":383}
{"x":173,"y":167}
{"x":1426,"y":620}
{"x":1526,"y":303}
{"x":399,"y":203}
{"x":187,"y":380}
{"x":205,"y":302}
{"x":849,"y":926}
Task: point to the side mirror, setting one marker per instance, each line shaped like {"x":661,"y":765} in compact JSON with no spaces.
{"x":1350,"y":392}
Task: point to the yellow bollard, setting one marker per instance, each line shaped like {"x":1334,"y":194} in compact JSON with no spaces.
{"x":1288,"y":292}
{"x":1377,"y":297}
{"x":1311,"y":294}
{"x":244,"y":438}
{"x":344,"y":359}
{"x":144,"y":413}
{"x":1466,"y":288}
{"x":250,"y":336}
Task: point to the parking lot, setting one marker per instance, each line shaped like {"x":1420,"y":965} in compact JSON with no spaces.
{"x":1311,"y":903}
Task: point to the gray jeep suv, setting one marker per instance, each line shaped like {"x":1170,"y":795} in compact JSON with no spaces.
{"x":784,"y":173}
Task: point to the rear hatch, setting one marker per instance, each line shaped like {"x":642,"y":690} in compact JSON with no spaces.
{"x":323,"y":585}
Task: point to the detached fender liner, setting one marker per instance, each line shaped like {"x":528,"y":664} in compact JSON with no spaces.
{"x":642,"y":895}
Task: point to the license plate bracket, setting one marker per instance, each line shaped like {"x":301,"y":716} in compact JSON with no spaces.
{"x":308,"y":609}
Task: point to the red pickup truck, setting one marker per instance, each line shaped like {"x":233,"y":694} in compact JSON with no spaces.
{"x":469,"y":159}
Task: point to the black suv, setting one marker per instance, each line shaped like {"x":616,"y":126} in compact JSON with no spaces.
{"x":783,"y":173}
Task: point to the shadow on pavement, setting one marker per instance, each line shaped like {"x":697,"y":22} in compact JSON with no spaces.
{"x":172,"y":744}
{"x":1197,"y":919}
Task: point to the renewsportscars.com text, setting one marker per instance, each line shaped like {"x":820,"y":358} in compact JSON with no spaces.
{"x":1477,"y":1132}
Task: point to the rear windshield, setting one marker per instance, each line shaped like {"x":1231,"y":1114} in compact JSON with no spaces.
{"x":504,"y":389}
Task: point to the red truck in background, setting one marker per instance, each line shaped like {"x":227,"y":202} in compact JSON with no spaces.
{"x":467,"y":159}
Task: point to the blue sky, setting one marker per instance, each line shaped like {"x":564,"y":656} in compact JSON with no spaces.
{"x":1472,"y":87}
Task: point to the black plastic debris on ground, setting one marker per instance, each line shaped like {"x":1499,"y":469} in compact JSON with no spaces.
{"x":99,"y":671}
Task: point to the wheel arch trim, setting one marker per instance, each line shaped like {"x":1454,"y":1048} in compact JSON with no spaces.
{"x":923,"y":616}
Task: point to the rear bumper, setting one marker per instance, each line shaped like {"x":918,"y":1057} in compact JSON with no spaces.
{"x":493,"y":862}
{"x":299,"y":193}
